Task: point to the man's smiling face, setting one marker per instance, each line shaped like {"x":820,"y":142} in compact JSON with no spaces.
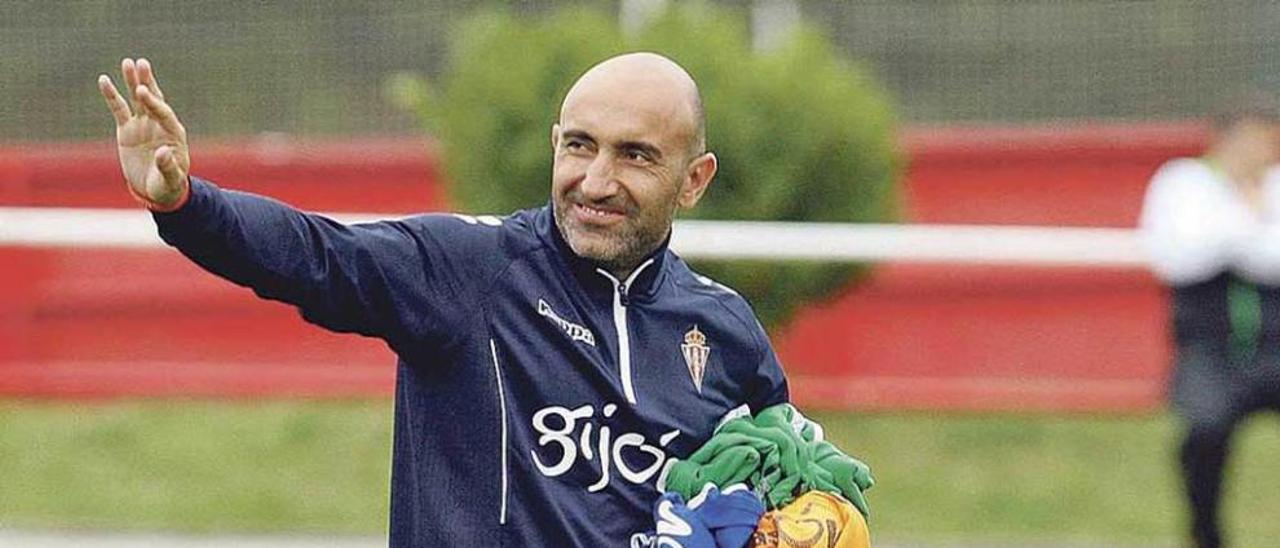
{"x":624,"y":160}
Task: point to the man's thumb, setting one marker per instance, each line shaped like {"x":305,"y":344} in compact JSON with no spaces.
{"x":167,"y":162}
{"x":175,"y":189}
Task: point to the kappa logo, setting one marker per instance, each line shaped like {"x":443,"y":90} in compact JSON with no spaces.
{"x":573,"y":330}
{"x":695,"y":352}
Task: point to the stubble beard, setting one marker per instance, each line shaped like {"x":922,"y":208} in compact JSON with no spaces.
{"x":620,"y":250}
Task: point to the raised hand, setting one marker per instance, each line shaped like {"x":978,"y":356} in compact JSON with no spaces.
{"x":151,"y":141}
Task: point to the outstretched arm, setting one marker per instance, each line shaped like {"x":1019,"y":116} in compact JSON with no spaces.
{"x":382,"y":279}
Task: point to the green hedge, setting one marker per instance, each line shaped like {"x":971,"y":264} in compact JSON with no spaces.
{"x":802,"y":134}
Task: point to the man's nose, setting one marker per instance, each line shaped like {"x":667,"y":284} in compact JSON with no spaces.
{"x":600,"y":181}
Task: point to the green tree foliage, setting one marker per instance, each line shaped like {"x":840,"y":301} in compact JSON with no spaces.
{"x":802,"y":134}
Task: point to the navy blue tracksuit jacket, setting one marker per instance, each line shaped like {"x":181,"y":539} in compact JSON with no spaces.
{"x":539,"y":400}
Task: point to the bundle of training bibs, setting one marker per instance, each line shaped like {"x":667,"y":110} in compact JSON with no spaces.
{"x":780,"y":453}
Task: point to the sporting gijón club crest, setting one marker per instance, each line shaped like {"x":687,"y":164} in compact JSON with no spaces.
{"x":695,"y":352}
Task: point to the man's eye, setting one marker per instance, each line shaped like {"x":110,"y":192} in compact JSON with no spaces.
{"x":637,"y":156}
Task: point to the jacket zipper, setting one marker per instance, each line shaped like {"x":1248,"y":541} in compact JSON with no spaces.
{"x":620,"y":302}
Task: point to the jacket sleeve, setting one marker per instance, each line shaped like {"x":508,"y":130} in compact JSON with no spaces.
{"x":384,"y":279}
{"x":771,"y":388}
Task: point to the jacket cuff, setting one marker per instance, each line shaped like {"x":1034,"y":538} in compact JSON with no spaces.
{"x":196,"y":198}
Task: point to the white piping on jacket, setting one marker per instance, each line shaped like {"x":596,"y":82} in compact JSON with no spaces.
{"x":502,"y":407}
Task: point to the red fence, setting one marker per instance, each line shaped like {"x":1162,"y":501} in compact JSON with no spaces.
{"x":976,"y":337}
{"x":95,"y":322}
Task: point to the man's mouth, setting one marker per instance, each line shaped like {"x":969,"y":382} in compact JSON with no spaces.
{"x":597,"y":215}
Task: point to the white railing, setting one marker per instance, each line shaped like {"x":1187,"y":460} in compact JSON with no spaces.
{"x":741,"y":240}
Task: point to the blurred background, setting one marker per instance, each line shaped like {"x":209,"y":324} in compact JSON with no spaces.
{"x":1001,"y":401}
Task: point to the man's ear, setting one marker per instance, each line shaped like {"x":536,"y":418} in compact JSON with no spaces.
{"x":555,"y":137}
{"x":696,"y":180}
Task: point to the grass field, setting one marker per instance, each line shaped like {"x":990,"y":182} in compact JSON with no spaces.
{"x":323,"y":467}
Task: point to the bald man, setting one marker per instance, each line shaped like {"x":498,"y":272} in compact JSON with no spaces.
{"x":552,"y":364}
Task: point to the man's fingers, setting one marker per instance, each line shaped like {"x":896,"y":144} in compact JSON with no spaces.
{"x":119,"y":108}
{"x":147,"y":77}
{"x":130,"y":73}
{"x":159,"y":111}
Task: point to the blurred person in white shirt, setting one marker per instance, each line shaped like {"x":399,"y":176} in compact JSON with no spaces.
{"x":1211,"y":227}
